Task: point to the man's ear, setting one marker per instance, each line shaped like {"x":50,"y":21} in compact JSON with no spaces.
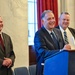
{"x":42,"y":21}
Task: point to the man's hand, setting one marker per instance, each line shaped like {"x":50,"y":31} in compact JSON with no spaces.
{"x":7,"y":62}
{"x":67,"y":47}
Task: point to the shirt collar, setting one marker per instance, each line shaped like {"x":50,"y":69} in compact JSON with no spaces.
{"x":49,"y":31}
{"x":1,"y":33}
{"x":62,"y":29}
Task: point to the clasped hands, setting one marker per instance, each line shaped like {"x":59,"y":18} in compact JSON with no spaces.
{"x":7,"y":62}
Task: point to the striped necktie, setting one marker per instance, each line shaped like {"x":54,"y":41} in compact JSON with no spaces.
{"x":65,"y":38}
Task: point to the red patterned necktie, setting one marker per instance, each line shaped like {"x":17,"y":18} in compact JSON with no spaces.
{"x":1,"y":41}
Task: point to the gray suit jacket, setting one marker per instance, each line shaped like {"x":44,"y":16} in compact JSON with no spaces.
{"x":45,"y":46}
{"x":71,"y":30}
{"x":8,"y":53}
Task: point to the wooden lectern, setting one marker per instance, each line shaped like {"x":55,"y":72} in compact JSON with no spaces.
{"x":60,"y":63}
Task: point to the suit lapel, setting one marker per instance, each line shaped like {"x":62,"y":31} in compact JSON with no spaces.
{"x":48,"y":37}
{"x":72,"y":31}
{"x":1,"y":49}
{"x":5,"y":38}
{"x":59,"y":38}
{"x":1,"y":45}
{"x":56,"y":33}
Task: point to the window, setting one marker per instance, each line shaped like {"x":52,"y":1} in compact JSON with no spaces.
{"x":32,"y":20}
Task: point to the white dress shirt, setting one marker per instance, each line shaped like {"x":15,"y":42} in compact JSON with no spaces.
{"x":70,"y":37}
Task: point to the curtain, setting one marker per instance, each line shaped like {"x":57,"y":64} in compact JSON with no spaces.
{"x":45,"y":5}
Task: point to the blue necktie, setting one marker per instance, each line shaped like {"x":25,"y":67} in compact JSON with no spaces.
{"x":65,"y":38}
{"x":54,"y":39}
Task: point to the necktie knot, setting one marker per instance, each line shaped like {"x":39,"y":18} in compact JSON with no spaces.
{"x":52,"y":35}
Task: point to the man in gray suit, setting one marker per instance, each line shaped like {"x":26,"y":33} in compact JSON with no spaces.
{"x":7,"y":56}
{"x":64,"y":23}
{"x":48,"y":40}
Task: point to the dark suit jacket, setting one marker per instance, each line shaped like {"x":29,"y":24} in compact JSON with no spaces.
{"x":8,"y":53}
{"x":45,"y":46}
{"x":71,"y":30}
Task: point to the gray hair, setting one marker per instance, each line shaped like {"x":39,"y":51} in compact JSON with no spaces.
{"x":66,"y":13}
{"x":46,"y":11}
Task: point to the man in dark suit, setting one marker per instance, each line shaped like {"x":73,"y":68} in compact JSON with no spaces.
{"x":44,"y":42}
{"x":7,"y":55}
{"x":64,"y":22}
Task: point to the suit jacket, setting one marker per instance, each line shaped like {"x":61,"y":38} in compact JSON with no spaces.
{"x":71,"y":30}
{"x":8,"y":53}
{"x":45,"y":46}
